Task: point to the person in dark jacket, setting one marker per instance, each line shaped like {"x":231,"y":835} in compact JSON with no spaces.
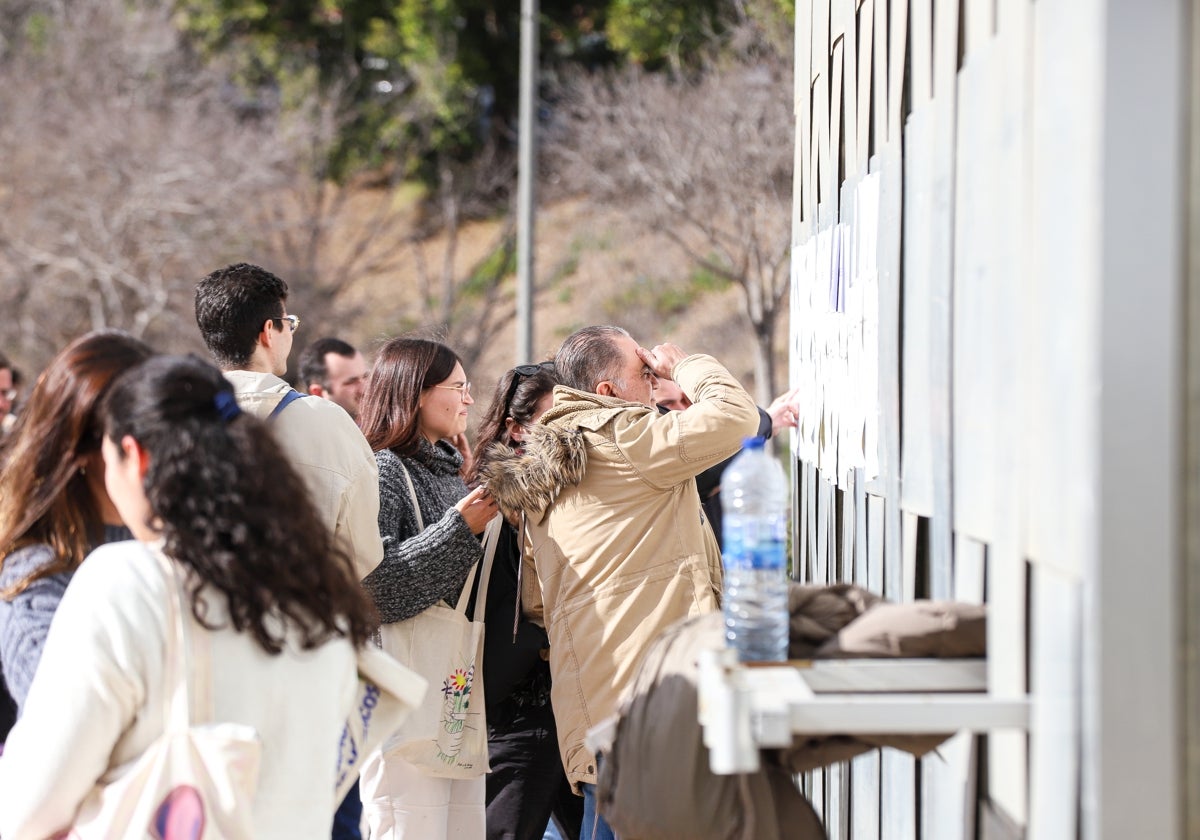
{"x":527,"y":785}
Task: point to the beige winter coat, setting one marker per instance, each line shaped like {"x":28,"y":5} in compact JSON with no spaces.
{"x":616,"y":534}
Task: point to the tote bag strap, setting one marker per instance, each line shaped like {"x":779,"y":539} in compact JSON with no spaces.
{"x":412,"y":494}
{"x":491,"y":536}
{"x":184,"y":651}
{"x":492,"y":532}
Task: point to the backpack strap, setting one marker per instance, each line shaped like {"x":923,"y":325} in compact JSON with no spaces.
{"x":291,"y":396}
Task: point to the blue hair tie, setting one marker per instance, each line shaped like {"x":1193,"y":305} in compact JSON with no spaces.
{"x":227,"y":406}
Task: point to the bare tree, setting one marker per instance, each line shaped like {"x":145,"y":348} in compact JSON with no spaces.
{"x":705,"y":161}
{"x":125,"y":177}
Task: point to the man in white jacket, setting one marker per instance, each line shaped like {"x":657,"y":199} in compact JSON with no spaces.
{"x":242,"y":314}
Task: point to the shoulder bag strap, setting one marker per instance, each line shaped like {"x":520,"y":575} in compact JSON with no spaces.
{"x":412,"y":494}
{"x":290,"y":397}
{"x":184,"y":652}
{"x":491,"y":537}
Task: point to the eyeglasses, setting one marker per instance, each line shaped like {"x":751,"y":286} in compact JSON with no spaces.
{"x":293,"y":321}
{"x":521,"y":372}
{"x":464,"y":390}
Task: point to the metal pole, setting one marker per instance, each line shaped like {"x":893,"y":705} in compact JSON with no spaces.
{"x":526,"y":165}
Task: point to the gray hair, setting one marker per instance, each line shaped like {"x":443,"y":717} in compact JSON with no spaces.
{"x":588,"y":357}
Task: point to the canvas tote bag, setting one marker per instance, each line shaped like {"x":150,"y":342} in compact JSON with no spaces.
{"x":387,"y":693}
{"x":446,"y":736}
{"x":198,"y":780}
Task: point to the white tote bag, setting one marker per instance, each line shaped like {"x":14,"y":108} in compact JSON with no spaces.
{"x":387,"y":692}
{"x":198,"y":780}
{"x":446,"y":736}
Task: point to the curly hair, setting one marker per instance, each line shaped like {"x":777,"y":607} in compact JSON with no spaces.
{"x":231,"y":509}
{"x":44,"y":494}
{"x":232,"y":304}
{"x":389,"y":410}
{"x":517,"y":395}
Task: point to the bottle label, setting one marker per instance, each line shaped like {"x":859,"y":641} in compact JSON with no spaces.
{"x":754,"y":543}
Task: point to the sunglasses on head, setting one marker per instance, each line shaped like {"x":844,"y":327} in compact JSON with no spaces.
{"x":521,"y":373}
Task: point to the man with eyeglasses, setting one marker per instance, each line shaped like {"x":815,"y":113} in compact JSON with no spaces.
{"x":613,"y":527}
{"x":242,"y":314}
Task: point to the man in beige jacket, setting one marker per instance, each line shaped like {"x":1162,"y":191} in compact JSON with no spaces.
{"x":614,"y":529}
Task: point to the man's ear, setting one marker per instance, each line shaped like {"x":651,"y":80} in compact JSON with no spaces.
{"x":267,"y":336}
{"x":316,"y":389}
{"x":605,"y":389}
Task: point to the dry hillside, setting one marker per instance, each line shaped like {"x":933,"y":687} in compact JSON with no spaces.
{"x":595,"y":267}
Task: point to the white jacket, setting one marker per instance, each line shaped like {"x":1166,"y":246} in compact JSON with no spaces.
{"x":331,"y":454}
{"x":97,"y":702}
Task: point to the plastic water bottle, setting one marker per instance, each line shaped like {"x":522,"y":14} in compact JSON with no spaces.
{"x":754,"y":504}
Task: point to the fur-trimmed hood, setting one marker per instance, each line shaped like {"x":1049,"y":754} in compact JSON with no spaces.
{"x":530,"y":480}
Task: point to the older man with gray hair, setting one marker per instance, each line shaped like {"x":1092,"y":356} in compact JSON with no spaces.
{"x":616,"y":544}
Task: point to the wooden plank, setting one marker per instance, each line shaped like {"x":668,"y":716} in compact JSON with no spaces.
{"x":804,"y":201}
{"x":837,"y":792}
{"x":876,"y":508}
{"x":898,"y":803}
{"x":1007,"y":754}
{"x":879,"y":90}
{"x":970,"y":572}
{"x":980,"y":19}
{"x":866,"y":35}
{"x":948,"y":790}
{"x":845,"y":26}
{"x":865,"y":785}
{"x":941,"y":250}
{"x":813,"y":483}
{"x":917,"y":444}
{"x":896,"y":675}
{"x":896,"y":62}
{"x":824,"y":534}
{"x":1054,"y":713}
{"x":908,"y":573}
{"x":921,"y":59}
{"x":826,"y":185}
{"x":861,"y":549}
{"x":849,"y":525}
{"x":914,"y":714}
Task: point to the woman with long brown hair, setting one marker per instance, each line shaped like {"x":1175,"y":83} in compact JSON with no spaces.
{"x":54,"y":508}
{"x":416,"y":401}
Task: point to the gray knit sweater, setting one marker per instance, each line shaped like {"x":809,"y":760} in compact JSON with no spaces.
{"x":25,"y":620}
{"x":419,"y":569}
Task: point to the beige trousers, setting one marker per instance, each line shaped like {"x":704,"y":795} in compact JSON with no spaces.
{"x":400,"y":802}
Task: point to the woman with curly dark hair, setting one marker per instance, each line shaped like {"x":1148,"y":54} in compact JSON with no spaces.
{"x":53,"y":505}
{"x":209,"y":496}
{"x":527,"y":784}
